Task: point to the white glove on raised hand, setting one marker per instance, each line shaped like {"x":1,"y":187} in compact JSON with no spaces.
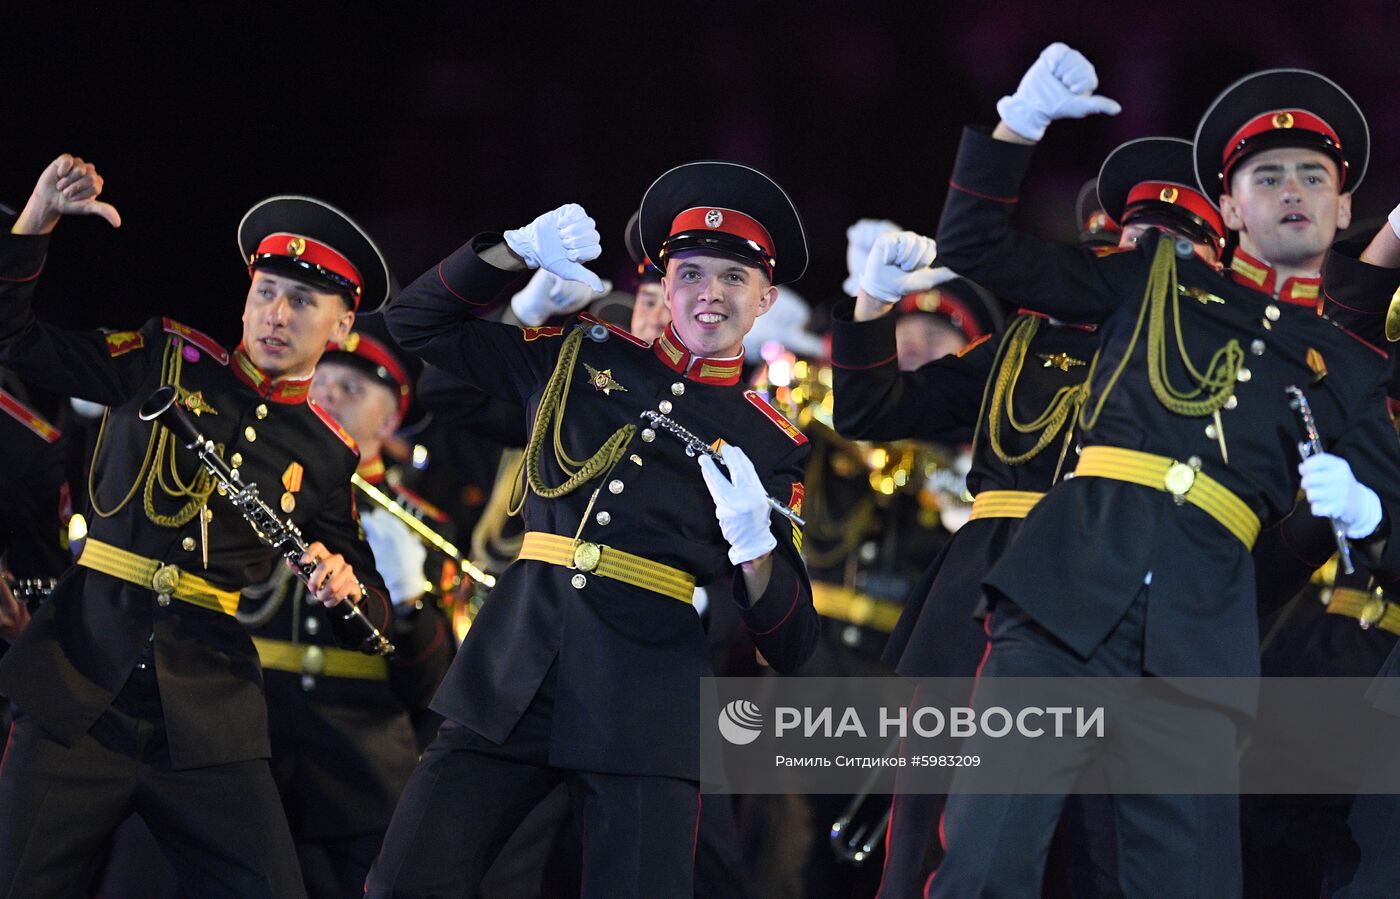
{"x":901,"y":262}
{"x":559,"y":241}
{"x":1058,"y":85}
{"x":1334,"y":492}
{"x":741,"y":505}
{"x":398,"y":554}
{"x":860,"y":237}
{"x":548,"y":295}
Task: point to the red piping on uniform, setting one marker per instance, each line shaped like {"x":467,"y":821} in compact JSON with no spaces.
{"x":1366,"y":343}
{"x":1338,"y":303}
{"x":695,"y":838}
{"x":967,"y":190}
{"x":453,"y":292}
{"x":887,"y":361}
{"x":22,"y":280}
{"x":796,"y":594}
{"x":439,"y":635}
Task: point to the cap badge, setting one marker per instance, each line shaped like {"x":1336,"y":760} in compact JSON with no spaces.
{"x":1283,"y":120}
{"x":714,"y":218}
{"x":1168,"y":194}
{"x":296,"y":246}
{"x":352,"y":342}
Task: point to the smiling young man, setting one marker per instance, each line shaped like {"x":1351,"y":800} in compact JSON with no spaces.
{"x":139,"y":691}
{"x":583,"y":667}
{"x":1140,"y":564}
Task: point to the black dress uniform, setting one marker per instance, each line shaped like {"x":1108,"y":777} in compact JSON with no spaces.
{"x":579,"y":669}
{"x":1152,"y":582}
{"x":139,"y":690}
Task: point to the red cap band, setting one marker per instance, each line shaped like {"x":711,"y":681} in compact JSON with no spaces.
{"x":294,"y":246}
{"x":1178,"y":195}
{"x":366,"y":347}
{"x":726,"y":221}
{"x":1275,"y":120}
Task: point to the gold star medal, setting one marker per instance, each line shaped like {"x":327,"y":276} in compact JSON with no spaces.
{"x":195,"y":402}
{"x":1062,"y":361}
{"x":603,"y":380}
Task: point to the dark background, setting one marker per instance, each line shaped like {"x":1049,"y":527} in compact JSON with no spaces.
{"x":429,"y":123}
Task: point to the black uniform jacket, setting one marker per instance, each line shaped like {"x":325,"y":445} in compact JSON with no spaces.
{"x":937,"y":635}
{"x":34,"y":500}
{"x":629,"y":659}
{"x":83,"y":644}
{"x":1088,"y":548}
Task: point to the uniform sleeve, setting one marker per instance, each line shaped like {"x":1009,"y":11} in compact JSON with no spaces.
{"x":874,"y":400}
{"x":337,"y":527}
{"x":782,"y":621}
{"x":435,"y":318}
{"x":33,"y":494}
{"x":976,"y":241}
{"x":1357,"y":295}
{"x":103,"y":368}
{"x":1369,"y":445}
{"x":468,"y":410}
{"x":1287,"y":554}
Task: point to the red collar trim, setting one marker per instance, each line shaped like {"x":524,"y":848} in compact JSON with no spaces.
{"x":29,"y":418}
{"x":372,"y":470}
{"x":290,"y":391}
{"x":706,"y":370}
{"x":1255,"y":273}
{"x":1088,"y":329}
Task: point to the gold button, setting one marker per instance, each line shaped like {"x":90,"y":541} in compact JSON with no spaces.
{"x":586,"y":556}
{"x":1243,"y":375}
{"x":187,"y":544}
{"x":1372,"y":613}
{"x":604,"y":517}
{"x":636,"y":459}
{"x":1179,"y":478}
{"x":615,"y":486}
{"x":1211,"y":432}
{"x":648,"y":435}
{"x":1271,"y":312}
{"x":1257,"y":348}
{"x":664,"y":406}
{"x":1232,"y":401}
{"x":164,"y":579}
{"x":313,"y":660}
{"x":311,"y":625}
{"x":579,"y":581}
{"x":237,"y":460}
{"x":162,"y":599}
{"x":261,"y":411}
{"x":249,"y":434}
{"x":678,"y":388}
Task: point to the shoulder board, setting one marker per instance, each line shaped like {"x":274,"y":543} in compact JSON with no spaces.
{"x":974,"y":345}
{"x":533,"y":334}
{"x":198,"y":339}
{"x":335,"y":427}
{"x":775,"y":417}
{"x":29,"y":418}
{"x":416,"y":503}
{"x":620,"y":332}
{"x":1110,"y":251}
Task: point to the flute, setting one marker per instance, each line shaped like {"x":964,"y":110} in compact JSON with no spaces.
{"x":1309,"y":448}
{"x":282,"y":535}
{"x":695,"y":445}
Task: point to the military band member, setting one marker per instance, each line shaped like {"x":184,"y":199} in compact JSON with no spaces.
{"x":583,"y":666}
{"x":140,"y":692}
{"x":1183,"y":459}
{"x":1019,"y":391}
{"x":650,"y":314}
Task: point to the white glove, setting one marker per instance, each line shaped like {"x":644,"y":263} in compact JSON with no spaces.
{"x":1394,"y":220}
{"x":559,"y":241}
{"x":860,"y":237}
{"x":1334,"y":492}
{"x":741,"y":505}
{"x":1058,"y":85}
{"x":398,"y":555}
{"x":901,"y":262}
{"x":548,"y":295}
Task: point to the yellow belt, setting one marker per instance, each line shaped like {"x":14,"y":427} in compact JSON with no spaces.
{"x":1368,"y":607}
{"x":167,"y":580}
{"x":330,"y":661}
{"x":1184,"y":482}
{"x":1003,"y":503}
{"x":614,"y":564}
{"x":854,"y":607}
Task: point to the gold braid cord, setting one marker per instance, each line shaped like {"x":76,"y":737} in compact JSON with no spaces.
{"x":1063,"y":405}
{"x":551,"y":412}
{"x":1213,"y":386}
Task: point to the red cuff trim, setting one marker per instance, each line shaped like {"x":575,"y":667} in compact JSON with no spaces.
{"x":1340,"y":305}
{"x":448,"y":288}
{"x":892,"y":357}
{"x":24,"y":279}
{"x":797,"y":594}
{"x":439,"y":635}
{"x":967,"y":190}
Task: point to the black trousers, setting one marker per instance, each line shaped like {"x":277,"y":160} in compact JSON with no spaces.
{"x":222,"y":827}
{"x":1168,"y":845}
{"x":468,"y":795}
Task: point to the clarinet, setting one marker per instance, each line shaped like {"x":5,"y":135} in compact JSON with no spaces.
{"x":1309,"y":448}
{"x":280,"y":534}
{"x":695,"y":445}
